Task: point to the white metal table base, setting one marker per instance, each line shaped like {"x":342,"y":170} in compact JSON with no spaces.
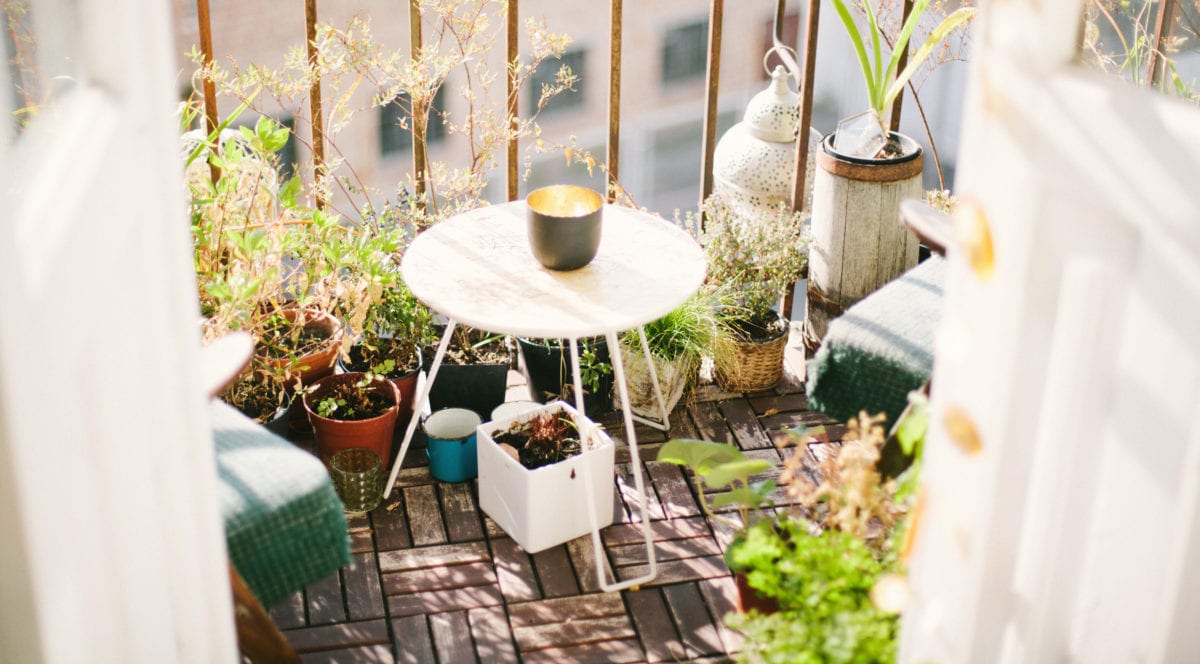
{"x":630,"y":436}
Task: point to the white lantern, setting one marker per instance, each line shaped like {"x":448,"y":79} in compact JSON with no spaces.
{"x":753,"y":165}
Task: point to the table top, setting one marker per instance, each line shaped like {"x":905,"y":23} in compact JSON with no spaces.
{"x":477,"y":268}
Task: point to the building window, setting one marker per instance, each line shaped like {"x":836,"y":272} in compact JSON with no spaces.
{"x":396,"y":138}
{"x":685,"y":52}
{"x":547,"y":75}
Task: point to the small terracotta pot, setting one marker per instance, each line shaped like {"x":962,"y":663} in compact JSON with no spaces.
{"x":749,"y":598}
{"x":319,"y":364}
{"x":332,"y":436}
{"x":406,"y":383}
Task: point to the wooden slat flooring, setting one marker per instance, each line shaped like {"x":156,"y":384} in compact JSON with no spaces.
{"x":435,"y":580}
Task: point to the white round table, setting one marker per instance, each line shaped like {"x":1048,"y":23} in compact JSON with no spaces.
{"x":477,"y":269}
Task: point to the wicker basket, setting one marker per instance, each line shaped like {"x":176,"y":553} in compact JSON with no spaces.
{"x":759,"y":365}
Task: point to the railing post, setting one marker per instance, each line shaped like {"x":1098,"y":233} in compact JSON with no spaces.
{"x":1154,"y":66}
{"x":512,"y":20}
{"x":314,"y":97}
{"x":204,"y":18}
{"x":811,"y":25}
{"x":418,"y":132}
{"x":896,"y":105}
{"x":712,"y":83}
{"x":614,"y":100}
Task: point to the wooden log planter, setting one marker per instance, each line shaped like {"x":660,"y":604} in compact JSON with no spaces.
{"x":858,"y":241}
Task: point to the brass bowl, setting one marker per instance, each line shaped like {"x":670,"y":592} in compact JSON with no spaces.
{"x":564,"y":225}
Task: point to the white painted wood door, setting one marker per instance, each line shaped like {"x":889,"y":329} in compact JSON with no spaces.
{"x":1072,"y":533}
{"x":112,"y":548}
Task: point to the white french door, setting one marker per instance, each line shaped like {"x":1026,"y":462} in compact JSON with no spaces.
{"x":112,"y":547}
{"x":1062,"y":477}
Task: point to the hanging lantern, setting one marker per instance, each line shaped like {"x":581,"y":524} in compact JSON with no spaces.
{"x":753,"y":164}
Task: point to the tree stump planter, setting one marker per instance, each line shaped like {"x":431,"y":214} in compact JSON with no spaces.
{"x":858,"y":241}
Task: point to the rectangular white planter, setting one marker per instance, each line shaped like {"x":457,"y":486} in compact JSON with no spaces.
{"x":546,"y":506}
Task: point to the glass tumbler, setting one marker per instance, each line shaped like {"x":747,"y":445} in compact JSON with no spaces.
{"x":358,"y":479}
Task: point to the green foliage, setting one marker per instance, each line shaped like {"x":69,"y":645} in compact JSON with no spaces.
{"x":688,"y":332}
{"x":331,"y":406}
{"x":722,"y":466}
{"x":884,"y":83}
{"x":823,"y":585}
{"x":751,"y":262}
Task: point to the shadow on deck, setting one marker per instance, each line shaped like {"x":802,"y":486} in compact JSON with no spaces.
{"x":434,"y":579}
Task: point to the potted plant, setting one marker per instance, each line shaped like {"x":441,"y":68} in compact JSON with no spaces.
{"x":751,"y":262}
{"x":835,"y":569}
{"x":723,"y":466}
{"x":547,"y":364}
{"x":353,"y":410}
{"x":474,"y":372}
{"x":678,"y":343}
{"x":264,"y":396}
{"x":541,"y":470}
{"x":863,"y":172}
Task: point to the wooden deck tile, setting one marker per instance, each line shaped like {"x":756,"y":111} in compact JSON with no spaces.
{"x":677,"y":571}
{"x":656,"y":629}
{"x":514,"y":571}
{"x":631,"y":533}
{"x":288,"y":613}
{"x":712,"y":392}
{"x":492,"y":634}
{"x":461,"y":511}
{"x":324,"y":600}
{"x":742,"y":419}
{"x":804,"y":418}
{"x":364,"y":595}
{"x":359,"y":529}
{"x":433,"y":556}
{"x":710,"y":423}
{"x":691,"y":617}
{"x":342,"y":635}
{"x":627,"y":488}
{"x":583,"y":558}
{"x":674,"y":494}
{"x":451,"y":638}
{"x":413,"y":642}
{"x":646,"y":451}
{"x":424,"y":515}
{"x":440,"y":601}
{"x":391,"y":524}
{"x":775,"y":404}
{"x":574,"y":632}
{"x":623,"y":651}
{"x":680,"y":549}
{"x":720,"y":595}
{"x":540,"y":612}
{"x":375,"y":654}
{"x":439,"y":578}
{"x":681,"y":424}
{"x":554,"y":569}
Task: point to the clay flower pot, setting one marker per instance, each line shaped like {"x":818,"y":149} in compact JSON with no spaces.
{"x":319,"y":363}
{"x":333,"y":435}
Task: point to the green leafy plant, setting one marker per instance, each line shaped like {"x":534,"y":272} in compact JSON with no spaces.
{"x":824,"y":585}
{"x":885,"y":81}
{"x":722,"y":466}
{"x":686,"y":333}
{"x":356,"y":401}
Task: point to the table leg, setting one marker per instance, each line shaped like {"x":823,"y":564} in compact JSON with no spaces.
{"x":635,"y":462}
{"x":664,"y":421}
{"x":421,"y":396}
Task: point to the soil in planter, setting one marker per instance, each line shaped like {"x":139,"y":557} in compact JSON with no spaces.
{"x":364,"y":358}
{"x":759,"y":328}
{"x":470,"y":346}
{"x":546,"y":439}
{"x":257,"y":401}
{"x":354,"y":403}
{"x":280,"y":339}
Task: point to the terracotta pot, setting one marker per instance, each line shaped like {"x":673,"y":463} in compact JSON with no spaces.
{"x":316,"y":365}
{"x":332,"y":435}
{"x":406,"y":382}
{"x":749,"y":598}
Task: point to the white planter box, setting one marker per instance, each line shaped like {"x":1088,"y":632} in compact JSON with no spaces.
{"x":547,"y":506}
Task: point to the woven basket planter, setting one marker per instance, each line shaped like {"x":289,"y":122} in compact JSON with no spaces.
{"x":758,"y":365}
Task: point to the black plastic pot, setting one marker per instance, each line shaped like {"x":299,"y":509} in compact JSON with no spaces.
{"x":548,"y":371}
{"x":479,"y":387}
